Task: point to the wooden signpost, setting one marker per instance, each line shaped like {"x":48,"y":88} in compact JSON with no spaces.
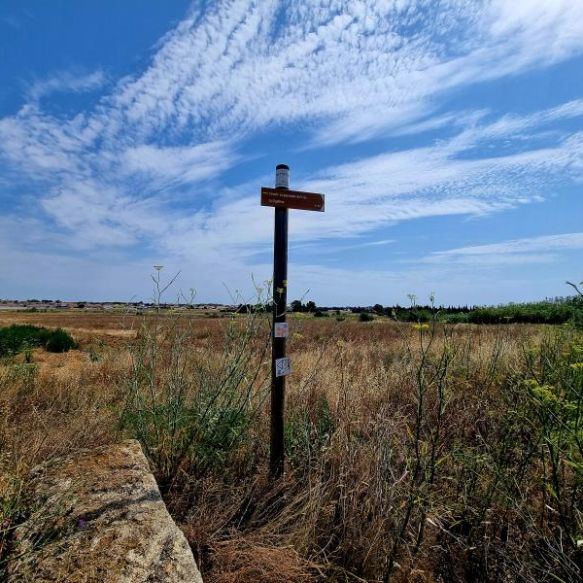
{"x":292,"y":199}
{"x":282,"y":198}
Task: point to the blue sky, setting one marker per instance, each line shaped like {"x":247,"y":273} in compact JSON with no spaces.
{"x":447,"y":137}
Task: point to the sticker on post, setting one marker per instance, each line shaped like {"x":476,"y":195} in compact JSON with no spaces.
{"x":282,"y":367}
{"x":280,"y":330}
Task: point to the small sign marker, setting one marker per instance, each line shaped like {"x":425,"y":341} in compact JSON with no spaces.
{"x":281,"y":330}
{"x":282,"y":367}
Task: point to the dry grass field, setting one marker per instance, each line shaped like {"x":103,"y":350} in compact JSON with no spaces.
{"x":415,"y":452}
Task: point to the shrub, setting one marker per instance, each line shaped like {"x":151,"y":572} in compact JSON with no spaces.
{"x":59,"y":341}
{"x":16,"y":338}
{"x":365,"y":317}
{"x":20,"y":337}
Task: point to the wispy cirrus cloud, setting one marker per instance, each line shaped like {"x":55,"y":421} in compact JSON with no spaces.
{"x":443,"y":179}
{"x":113,"y":175}
{"x":541,"y":249}
{"x":562,"y":242}
{"x":392,"y":188}
{"x":368,"y":68}
{"x":175,"y":165}
{"x":66,"y":82}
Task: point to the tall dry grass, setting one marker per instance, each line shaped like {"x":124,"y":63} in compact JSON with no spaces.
{"x":413,"y":453}
{"x":50,"y":405}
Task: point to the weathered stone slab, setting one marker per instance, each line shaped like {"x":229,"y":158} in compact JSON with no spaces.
{"x":99,"y":517}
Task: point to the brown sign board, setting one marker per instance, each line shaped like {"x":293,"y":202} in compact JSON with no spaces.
{"x":292,"y":199}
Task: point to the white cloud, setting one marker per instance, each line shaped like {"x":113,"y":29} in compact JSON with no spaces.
{"x":546,"y":249}
{"x":386,"y":189}
{"x":439,"y":180}
{"x":509,"y":125}
{"x":179,"y":164}
{"x":64,"y":82}
{"x":544,"y":244}
{"x":348,"y":72}
{"x":247,"y":65}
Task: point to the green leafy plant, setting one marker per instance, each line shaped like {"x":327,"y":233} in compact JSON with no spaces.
{"x":22,"y":337}
{"x":59,"y":341}
{"x":190,"y":407}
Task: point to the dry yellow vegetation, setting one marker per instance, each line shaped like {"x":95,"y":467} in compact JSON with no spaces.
{"x":414,"y":453}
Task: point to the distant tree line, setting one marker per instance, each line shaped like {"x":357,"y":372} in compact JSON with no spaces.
{"x":550,"y":311}
{"x":298,"y":306}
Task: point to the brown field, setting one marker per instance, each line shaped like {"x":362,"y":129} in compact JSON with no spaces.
{"x":414,"y":453}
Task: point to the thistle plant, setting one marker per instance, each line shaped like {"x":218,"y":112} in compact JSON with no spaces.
{"x":189,"y":405}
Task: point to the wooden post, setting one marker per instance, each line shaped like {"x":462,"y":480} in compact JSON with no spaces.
{"x":277,"y":454}
{"x":282,"y":198}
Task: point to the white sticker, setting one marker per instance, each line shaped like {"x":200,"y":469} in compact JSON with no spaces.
{"x":282,"y":367}
{"x":280,"y":330}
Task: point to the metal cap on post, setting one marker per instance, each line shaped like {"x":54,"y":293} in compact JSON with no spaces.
{"x":282,"y":176}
